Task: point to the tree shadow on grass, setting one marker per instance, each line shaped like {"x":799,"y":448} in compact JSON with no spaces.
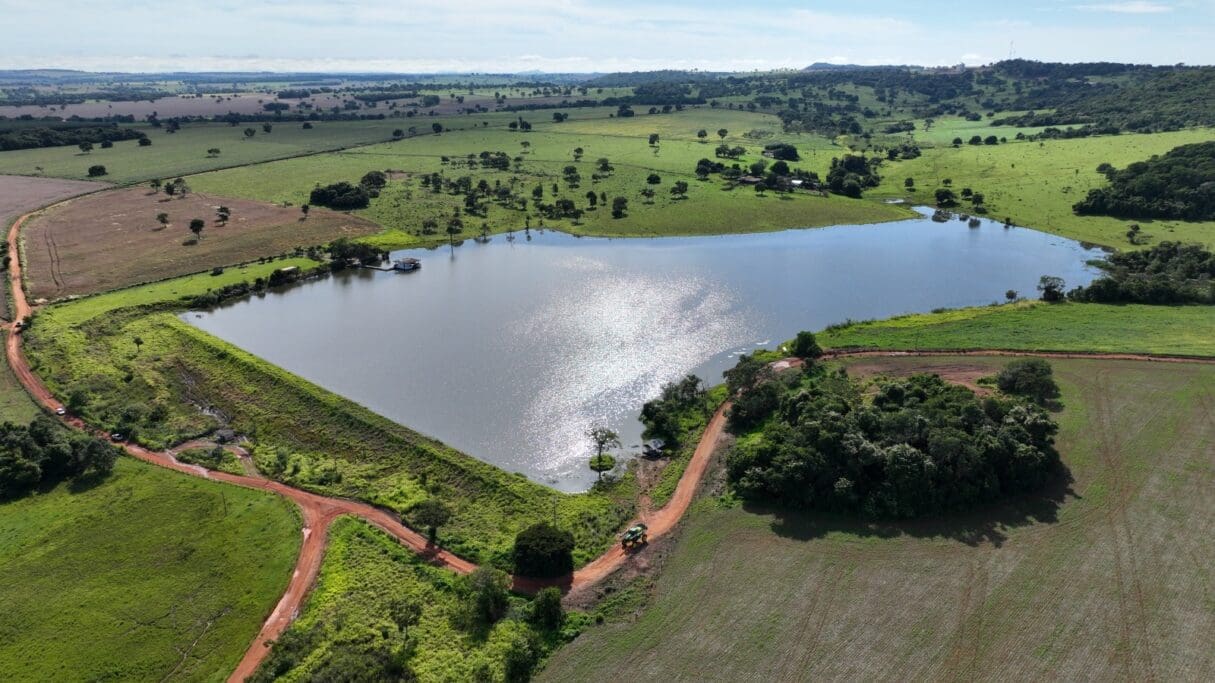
{"x":87,"y":482}
{"x":988,"y":524}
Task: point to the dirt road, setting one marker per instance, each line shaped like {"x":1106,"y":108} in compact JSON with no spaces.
{"x":318,"y":512}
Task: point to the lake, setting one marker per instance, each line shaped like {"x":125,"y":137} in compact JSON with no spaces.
{"x":511,"y":350}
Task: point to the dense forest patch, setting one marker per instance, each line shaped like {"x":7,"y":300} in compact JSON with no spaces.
{"x":1179,"y":185}
{"x":906,"y":448}
{"x":1168,"y":273}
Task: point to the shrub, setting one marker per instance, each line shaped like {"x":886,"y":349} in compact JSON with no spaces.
{"x":543,"y":551}
{"x":547,"y":612}
{"x":805,"y":346}
{"x":96,"y":171}
{"x":1030,"y":377}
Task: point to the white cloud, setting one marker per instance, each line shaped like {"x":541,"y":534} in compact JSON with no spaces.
{"x":1137,"y":7}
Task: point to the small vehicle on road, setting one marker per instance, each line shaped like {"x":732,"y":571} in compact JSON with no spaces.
{"x":61,"y":411}
{"x":116,"y":437}
{"x":635,"y":537}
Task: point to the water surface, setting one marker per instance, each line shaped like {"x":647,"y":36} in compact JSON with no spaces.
{"x":510,"y":350}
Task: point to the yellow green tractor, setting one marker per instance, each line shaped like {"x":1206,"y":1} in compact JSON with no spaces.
{"x":635,"y":537}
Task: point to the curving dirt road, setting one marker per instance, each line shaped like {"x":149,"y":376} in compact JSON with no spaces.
{"x":318,"y":512}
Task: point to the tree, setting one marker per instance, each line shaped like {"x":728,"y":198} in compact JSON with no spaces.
{"x":806,"y":346}
{"x":437,"y":128}
{"x":619,"y":206}
{"x":145,"y":142}
{"x":154,"y":184}
{"x":591,"y":198}
{"x":909,"y":183}
{"x":96,"y":171}
{"x":431,"y":514}
{"x":213,"y":152}
{"x":602,"y":463}
{"x":249,"y":132}
{"x":1010,"y":295}
{"x":455,"y":226}
{"x":653,"y":179}
{"x":138,"y":344}
{"x":162,"y":218}
{"x":1051,"y":288}
{"x":222,"y":214}
{"x":680,"y":189}
{"x":653,"y":139}
{"x":602,"y":438}
{"x":304,"y":209}
{"x":488,"y":589}
{"x":547,"y":612}
{"x":196,"y":227}
{"x":945,"y":198}
{"x":702,"y":134}
{"x":397,"y":133}
{"x":85,"y":147}
{"x":1031,"y":377}
{"x":722,"y":133}
{"x":544,"y":551}
{"x":405,"y":614}
{"x":267,"y":127}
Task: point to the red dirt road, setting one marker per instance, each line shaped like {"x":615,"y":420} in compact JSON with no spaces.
{"x":319,"y":511}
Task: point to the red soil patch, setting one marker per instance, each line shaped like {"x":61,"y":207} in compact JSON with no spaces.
{"x":112,"y":239}
{"x":963,"y":374}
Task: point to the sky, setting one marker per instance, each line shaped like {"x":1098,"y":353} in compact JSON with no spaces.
{"x":501,"y":36}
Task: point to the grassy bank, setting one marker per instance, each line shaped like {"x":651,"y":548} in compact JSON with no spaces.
{"x":1036,"y":184}
{"x":1107,"y":578}
{"x":1034,"y":326}
{"x":149,"y":575}
{"x":302,"y":434}
{"x":349,"y":613}
{"x":710,"y":207}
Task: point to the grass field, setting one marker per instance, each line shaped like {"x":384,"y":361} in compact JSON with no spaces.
{"x":1036,"y":184}
{"x":1034,"y":326}
{"x":364,"y":573}
{"x":326,"y":442}
{"x":709,"y":208}
{"x":1108,"y":580}
{"x":112,"y":239}
{"x":147,"y":576}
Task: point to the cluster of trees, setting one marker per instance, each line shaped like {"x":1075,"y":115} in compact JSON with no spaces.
{"x":43,"y":453}
{"x":345,"y":196}
{"x":782,"y":151}
{"x":58,"y":135}
{"x":852,"y":174}
{"x":664,"y":416}
{"x":1167,"y":273}
{"x":1177,"y":185}
{"x":921,"y":446}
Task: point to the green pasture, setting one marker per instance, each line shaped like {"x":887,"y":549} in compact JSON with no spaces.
{"x":148,"y":575}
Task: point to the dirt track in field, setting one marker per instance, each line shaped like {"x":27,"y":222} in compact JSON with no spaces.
{"x":113,"y":239}
{"x":319,"y":511}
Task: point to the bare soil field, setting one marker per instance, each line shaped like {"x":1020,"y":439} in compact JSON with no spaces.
{"x":1107,"y":577}
{"x":113,"y":239}
{"x":22,"y":194}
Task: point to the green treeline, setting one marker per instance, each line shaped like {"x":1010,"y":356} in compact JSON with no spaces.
{"x":1177,"y":185}
{"x":52,"y":136}
{"x":1167,"y":273}
{"x":45,"y":453}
